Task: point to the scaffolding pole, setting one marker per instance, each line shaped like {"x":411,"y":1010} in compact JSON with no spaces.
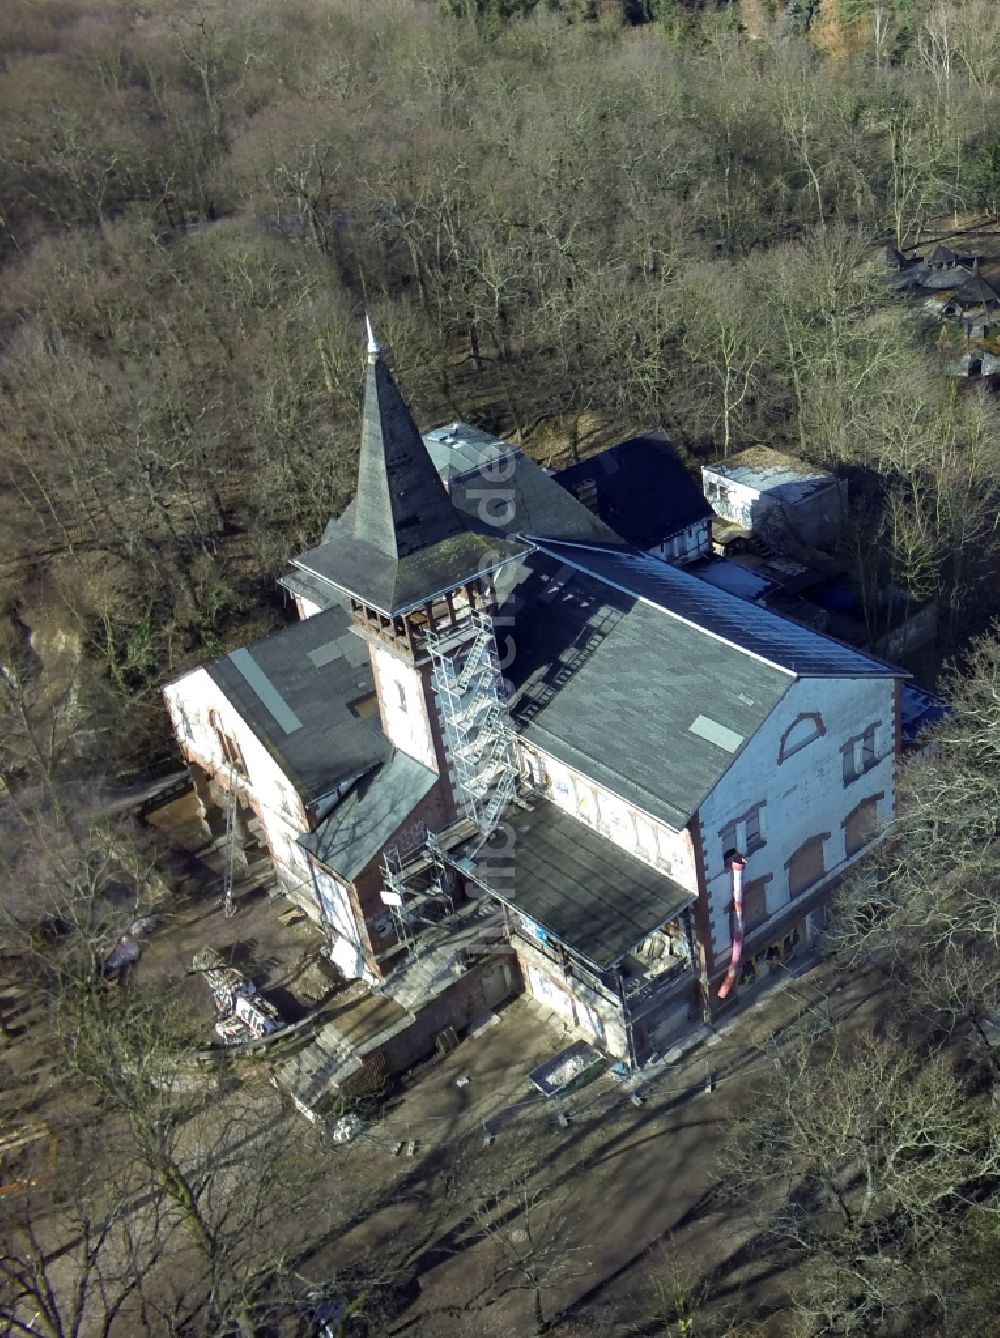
{"x":467,"y":685}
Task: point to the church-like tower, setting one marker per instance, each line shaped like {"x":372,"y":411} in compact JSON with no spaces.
{"x":421,"y":587}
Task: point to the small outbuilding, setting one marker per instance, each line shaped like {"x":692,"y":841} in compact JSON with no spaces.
{"x":777,"y":496}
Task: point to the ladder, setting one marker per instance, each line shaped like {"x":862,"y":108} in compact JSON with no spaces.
{"x":228,"y":906}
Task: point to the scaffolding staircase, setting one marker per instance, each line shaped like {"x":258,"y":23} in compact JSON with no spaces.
{"x":467,"y":682}
{"x":467,"y":685}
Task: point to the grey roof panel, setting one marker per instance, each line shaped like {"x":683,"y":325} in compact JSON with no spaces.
{"x":282,"y":678}
{"x":526,"y":500}
{"x":401,"y":505}
{"x":579,"y":886}
{"x":268,"y":694}
{"x":369,"y":815}
{"x":305,"y":585}
{"x":609,"y":685}
{"x":459,"y":448}
{"x":405,"y":541}
{"x":748,"y":627}
{"x":642,"y":490}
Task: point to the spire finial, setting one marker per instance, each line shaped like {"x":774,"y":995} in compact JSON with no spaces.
{"x":374,"y":347}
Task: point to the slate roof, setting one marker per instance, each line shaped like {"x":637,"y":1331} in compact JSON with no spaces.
{"x":641,"y":489}
{"x":578,"y":885}
{"x":606,"y":683}
{"x":944,"y":255}
{"x":977,"y":293}
{"x":407,"y":542}
{"x":369,"y":815}
{"x":395,"y":586}
{"x":648,"y":680}
{"x":748,"y":628}
{"x":528,"y":501}
{"x":294,"y":690}
{"x":401,"y":506}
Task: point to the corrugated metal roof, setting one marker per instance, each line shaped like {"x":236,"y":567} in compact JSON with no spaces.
{"x":748,"y":627}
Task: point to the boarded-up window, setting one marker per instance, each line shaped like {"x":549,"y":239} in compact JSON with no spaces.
{"x":860,"y":825}
{"x":860,"y":754}
{"x":806,"y":866}
{"x":755,"y":904}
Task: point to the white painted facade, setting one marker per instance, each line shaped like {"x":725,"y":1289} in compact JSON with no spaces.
{"x":582,"y":1008}
{"x":687,"y":545}
{"x":191,"y":701}
{"x":338,"y":914}
{"x":804,"y":795}
{"x":630,"y":829}
{"x":279,"y":809}
{"x":306,"y":607}
{"x":810,"y":503}
{"x":791,"y":774}
{"x":403,"y":705}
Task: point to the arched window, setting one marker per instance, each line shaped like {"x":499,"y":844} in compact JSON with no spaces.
{"x":801,"y":732}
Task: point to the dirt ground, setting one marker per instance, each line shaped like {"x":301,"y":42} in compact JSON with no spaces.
{"x":267,"y":937}
{"x":629,"y":1190}
{"x":637,"y":1184}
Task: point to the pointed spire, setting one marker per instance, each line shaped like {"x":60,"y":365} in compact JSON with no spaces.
{"x":402,"y":506}
{"x":406,"y":542}
{"x":374,"y":347}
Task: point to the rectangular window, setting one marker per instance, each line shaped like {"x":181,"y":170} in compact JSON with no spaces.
{"x":859,"y":755}
{"x":806,"y":866}
{"x":402,"y":696}
{"x":745,"y":833}
{"x":860,"y":825}
{"x":755,"y":904}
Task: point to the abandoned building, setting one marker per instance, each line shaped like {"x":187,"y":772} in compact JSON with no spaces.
{"x":961,"y":291}
{"x":769,"y":492}
{"x":504,"y":748}
{"x":644,"y":492}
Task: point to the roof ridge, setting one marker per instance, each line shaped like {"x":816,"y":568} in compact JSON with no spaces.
{"x":720,"y":596}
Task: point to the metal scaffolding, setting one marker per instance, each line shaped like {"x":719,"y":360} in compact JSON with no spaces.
{"x":228,"y":873}
{"x":467,"y":685}
{"x":415,"y":882}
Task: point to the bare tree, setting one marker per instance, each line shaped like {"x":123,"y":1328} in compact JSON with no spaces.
{"x":861,"y":1151}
